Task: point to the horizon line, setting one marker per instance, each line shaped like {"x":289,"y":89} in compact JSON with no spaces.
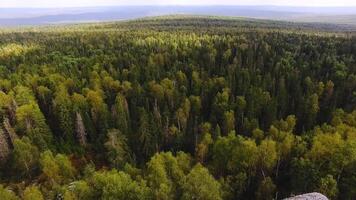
{"x":182,"y":5}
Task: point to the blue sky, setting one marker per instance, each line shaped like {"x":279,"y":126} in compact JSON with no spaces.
{"x":85,"y":3}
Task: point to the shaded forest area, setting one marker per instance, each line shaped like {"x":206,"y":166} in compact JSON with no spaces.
{"x":177,"y":108}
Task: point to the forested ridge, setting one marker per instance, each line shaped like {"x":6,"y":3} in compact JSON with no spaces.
{"x":177,"y":107}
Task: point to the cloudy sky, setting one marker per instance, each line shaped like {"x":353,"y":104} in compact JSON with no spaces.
{"x":85,"y":3}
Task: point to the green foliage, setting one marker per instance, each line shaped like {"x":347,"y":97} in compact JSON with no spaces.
{"x":266,"y":189}
{"x":31,"y":120}
{"x":25,"y":156}
{"x":7,"y":194}
{"x":64,"y":112}
{"x":235,"y":154}
{"x":200,"y":185}
{"x":117,"y":185}
{"x":78,"y":190}
{"x":32,"y":193}
{"x":117,"y":149}
{"x":164,"y":175}
{"x":328,"y":186}
{"x":14,"y":50}
{"x":58,"y":169}
{"x":267,"y":107}
{"x":121,"y":114}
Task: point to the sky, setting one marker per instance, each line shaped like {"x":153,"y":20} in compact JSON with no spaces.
{"x":89,"y":3}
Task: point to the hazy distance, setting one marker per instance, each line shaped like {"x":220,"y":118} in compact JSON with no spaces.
{"x":38,"y":16}
{"x":95,"y":3}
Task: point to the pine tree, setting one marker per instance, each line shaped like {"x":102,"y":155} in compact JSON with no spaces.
{"x":118,"y":152}
{"x":145,"y":134}
{"x":121,"y":114}
{"x":63,"y":111}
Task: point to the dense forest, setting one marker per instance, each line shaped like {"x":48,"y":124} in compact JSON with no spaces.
{"x":177,"y":108}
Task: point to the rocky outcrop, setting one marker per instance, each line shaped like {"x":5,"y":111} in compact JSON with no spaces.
{"x":309,"y":196}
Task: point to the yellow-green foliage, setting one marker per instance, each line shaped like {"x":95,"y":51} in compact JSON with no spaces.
{"x":13,"y":49}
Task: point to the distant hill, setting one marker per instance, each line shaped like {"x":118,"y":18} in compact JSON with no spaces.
{"x":221,"y":23}
{"x":41,"y":16}
{"x":335,"y":19}
{"x":196,"y":23}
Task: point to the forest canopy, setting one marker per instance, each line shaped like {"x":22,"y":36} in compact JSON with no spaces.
{"x":177,"y":108}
